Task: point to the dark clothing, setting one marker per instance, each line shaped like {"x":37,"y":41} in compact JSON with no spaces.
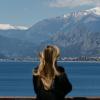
{"x":61,"y":87}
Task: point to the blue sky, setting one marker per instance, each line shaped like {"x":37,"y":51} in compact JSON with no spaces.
{"x":28,"y":12}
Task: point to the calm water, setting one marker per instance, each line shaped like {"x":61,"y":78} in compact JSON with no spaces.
{"x":16,"y":78}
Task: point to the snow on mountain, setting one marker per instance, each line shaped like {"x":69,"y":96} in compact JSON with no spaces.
{"x":76,"y":33}
{"x":8,"y":26}
{"x":95,"y":10}
{"x":79,"y":33}
{"x":83,"y":13}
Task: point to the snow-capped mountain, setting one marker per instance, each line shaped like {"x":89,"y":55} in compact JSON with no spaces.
{"x":95,"y":10}
{"x":13,"y":31}
{"x":76,"y":33}
{"x":76,"y":16}
{"x":9,"y":27}
{"x":79,"y":34}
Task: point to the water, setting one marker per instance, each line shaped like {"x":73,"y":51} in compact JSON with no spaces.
{"x":16,"y":78}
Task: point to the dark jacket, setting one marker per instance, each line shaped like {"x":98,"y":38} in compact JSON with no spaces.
{"x":61,"y":87}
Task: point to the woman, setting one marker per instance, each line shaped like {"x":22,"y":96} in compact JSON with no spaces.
{"x":49,"y":80}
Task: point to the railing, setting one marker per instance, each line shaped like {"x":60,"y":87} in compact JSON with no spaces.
{"x":33,"y":98}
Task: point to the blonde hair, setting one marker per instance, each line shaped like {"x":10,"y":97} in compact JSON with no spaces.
{"x":47,"y":68}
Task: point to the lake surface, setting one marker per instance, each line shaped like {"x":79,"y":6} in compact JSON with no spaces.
{"x":16,"y":78}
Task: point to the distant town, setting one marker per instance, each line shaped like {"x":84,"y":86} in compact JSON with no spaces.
{"x":81,"y":58}
{"x":31,"y":59}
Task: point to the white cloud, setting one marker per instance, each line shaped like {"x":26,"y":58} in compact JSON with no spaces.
{"x":73,"y":3}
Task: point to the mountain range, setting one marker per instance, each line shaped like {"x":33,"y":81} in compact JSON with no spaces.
{"x":76,"y":33}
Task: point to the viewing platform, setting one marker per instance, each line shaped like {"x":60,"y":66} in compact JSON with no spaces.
{"x":33,"y":98}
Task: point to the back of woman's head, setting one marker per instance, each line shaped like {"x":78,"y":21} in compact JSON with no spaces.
{"x":55,"y":51}
{"x":47,"y":68}
{"x":48,"y":55}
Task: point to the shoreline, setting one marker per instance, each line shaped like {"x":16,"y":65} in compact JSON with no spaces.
{"x":57,"y":61}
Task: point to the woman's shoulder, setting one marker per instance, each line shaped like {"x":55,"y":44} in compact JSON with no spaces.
{"x":60,"y":69}
{"x":34,"y":71}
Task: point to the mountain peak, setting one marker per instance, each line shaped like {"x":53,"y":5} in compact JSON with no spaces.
{"x":8,"y":26}
{"x":79,"y":14}
{"x":95,"y":10}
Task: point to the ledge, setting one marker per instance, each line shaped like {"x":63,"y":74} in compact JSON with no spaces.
{"x":33,"y":98}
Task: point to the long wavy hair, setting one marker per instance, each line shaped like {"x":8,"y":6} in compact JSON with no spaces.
{"x":47,"y":69}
